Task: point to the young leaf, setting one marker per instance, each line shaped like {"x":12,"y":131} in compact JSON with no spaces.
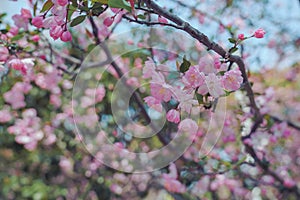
{"x":119,"y":4}
{"x":17,"y":37}
{"x":140,"y":16}
{"x":199,"y":98}
{"x":47,"y":6}
{"x":74,"y":3}
{"x":185,"y":65}
{"x":232,"y":50}
{"x":97,"y":9}
{"x":35,"y":8}
{"x":72,"y":9}
{"x":232,"y":40}
{"x":102,"y":1}
{"x":77,"y":20}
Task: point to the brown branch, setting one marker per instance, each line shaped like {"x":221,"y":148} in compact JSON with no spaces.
{"x":289,"y":123}
{"x":135,"y":94}
{"x":150,"y":23}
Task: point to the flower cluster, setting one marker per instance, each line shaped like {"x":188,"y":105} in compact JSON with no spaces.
{"x":194,"y":80}
{"x":27,"y":129}
{"x":56,"y":23}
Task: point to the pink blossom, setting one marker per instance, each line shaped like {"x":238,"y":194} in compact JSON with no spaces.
{"x":170,"y":182}
{"x":153,"y":103}
{"x":193,"y":77}
{"x":115,"y":10}
{"x":108,"y":21}
{"x":66,"y":36}
{"x":241,"y":36}
{"x":16,"y":64}
{"x":289,"y":183}
{"x":160,"y":92}
{"x":188,"y":125}
{"x":20,"y":21}
{"x":162,"y":20}
{"x":66,"y":165}
{"x":259,"y":33}
{"x":173,"y":116}
{"x":59,"y":11}
{"x":56,"y":32}
{"x":37,"y":21}
{"x":4,"y":54}
{"x":62,"y":2}
{"x":50,"y":137}
{"x":232,"y":80}
{"x":149,"y":68}
{"x":116,"y":189}
{"x":133,"y":81}
{"x":25,"y":13}
{"x":50,"y":22}
{"x":159,"y":88}
{"x":185,"y":98}
{"x":214,"y":86}
{"x":173,"y":185}
{"x":14,"y":30}
{"x":27,"y":129}
{"x":55,"y":100}
{"x":100,"y":93}
{"x":268,"y":179}
{"x":5,"y":116}
{"x":15,"y":97}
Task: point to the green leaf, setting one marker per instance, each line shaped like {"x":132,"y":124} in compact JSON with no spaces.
{"x":3,"y":31}
{"x":47,"y":6}
{"x":185,"y":65}
{"x":72,"y":9}
{"x":221,"y":73}
{"x":91,"y":47}
{"x":2,"y":15}
{"x":232,"y":40}
{"x":234,"y":49}
{"x":199,"y":98}
{"x":101,"y":1}
{"x":119,"y":4}
{"x":97,"y":9}
{"x":74,"y":3}
{"x":140,"y":16}
{"x":17,"y":37}
{"x":35,"y":8}
{"x":77,"y":20}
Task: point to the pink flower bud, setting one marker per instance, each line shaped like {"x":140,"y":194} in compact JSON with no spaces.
{"x":241,"y":36}
{"x":35,"y":38}
{"x":162,"y":20}
{"x":108,"y":21}
{"x":56,"y":32}
{"x":37,"y":21}
{"x":173,"y":116}
{"x":3,"y":54}
{"x":66,"y":36}
{"x":289,"y":183}
{"x":259,"y":33}
{"x":62,"y":2}
{"x":217,"y":63}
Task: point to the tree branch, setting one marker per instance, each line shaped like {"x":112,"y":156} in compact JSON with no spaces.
{"x":289,"y":123}
{"x":136,"y":96}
